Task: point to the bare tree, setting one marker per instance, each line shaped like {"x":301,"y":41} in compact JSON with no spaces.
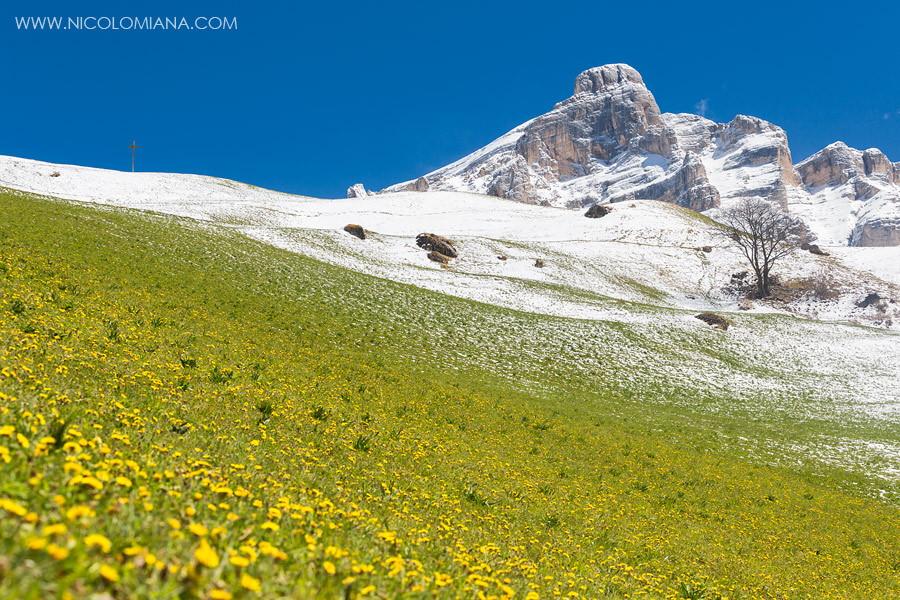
{"x":764,"y":233}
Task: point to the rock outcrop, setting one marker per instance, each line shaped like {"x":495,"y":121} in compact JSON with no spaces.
{"x":438,"y":257}
{"x":610,"y":112}
{"x":876,"y":232}
{"x":839,"y":164}
{"x":419,"y":185}
{"x":357,"y":190}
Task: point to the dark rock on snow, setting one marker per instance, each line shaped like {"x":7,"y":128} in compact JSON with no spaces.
{"x":356,"y":230}
{"x":714,"y":320}
{"x":869,"y":300}
{"x":597,"y":211}
{"x":431,"y":241}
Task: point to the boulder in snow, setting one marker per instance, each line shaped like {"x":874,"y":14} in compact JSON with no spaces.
{"x":597,"y":211}
{"x":714,"y":320}
{"x":438,"y":257}
{"x":431,"y":241}
{"x":356,"y":231}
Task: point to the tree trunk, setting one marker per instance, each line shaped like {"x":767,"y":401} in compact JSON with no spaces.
{"x":762,"y":289}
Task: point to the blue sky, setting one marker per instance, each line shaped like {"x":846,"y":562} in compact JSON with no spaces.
{"x":313,"y":97}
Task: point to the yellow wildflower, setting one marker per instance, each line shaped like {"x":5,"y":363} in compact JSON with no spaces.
{"x":249,"y":583}
{"x":95,"y":540}
{"x":12,"y":507}
{"x":91,"y":482}
{"x":206,"y":556}
{"x":57,"y":552}
{"x":76,"y":512}
{"x":239,"y":561}
{"x":54,"y":529}
{"x":109,"y":573}
{"x":36,"y":543}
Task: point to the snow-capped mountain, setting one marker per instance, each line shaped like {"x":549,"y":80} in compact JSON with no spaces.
{"x":609,"y":142}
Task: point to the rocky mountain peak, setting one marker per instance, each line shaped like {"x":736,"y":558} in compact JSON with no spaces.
{"x":612,"y":111}
{"x":836,"y":164}
{"x":599,"y":79}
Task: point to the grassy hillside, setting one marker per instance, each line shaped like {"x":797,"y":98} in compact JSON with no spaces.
{"x":186,"y":413}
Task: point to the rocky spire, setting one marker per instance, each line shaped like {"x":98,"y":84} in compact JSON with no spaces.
{"x":611,"y":111}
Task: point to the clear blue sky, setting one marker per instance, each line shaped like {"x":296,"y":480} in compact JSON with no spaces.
{"x":313,"y":97}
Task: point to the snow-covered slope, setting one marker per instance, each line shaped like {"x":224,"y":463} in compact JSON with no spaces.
{"x":648,"y":252}
{"x":609,"y":143}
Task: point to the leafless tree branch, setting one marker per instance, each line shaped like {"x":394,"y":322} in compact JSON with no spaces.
{"x":764,"y":234}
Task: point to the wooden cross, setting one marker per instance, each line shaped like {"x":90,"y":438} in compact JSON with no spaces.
{"x":133,"y":146}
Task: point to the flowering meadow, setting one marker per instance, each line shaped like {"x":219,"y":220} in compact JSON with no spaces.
{"x":185,"y":413}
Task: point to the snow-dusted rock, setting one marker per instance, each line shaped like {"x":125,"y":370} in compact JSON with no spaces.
{"x":357,"y":190}
{"x":752,"y":159}
{"x":419,"y":185}
{"x":853,"y":195}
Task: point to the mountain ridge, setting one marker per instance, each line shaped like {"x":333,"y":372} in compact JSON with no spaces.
{"x":609,"y":142}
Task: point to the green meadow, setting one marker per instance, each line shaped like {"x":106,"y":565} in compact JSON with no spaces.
{"x":186,"y":413}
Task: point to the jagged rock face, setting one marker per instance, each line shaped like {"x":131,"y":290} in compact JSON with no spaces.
{"x":776,"y":152}
{"x":610,"y":111}
{"x":609,"y":142}
{"x":876,"y":163}
{"x":834,"y":165}
{"x":688,"y":187}
{"x":747,"y":158}
{"x":838,"y":164}
{"x":881,"y":232}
